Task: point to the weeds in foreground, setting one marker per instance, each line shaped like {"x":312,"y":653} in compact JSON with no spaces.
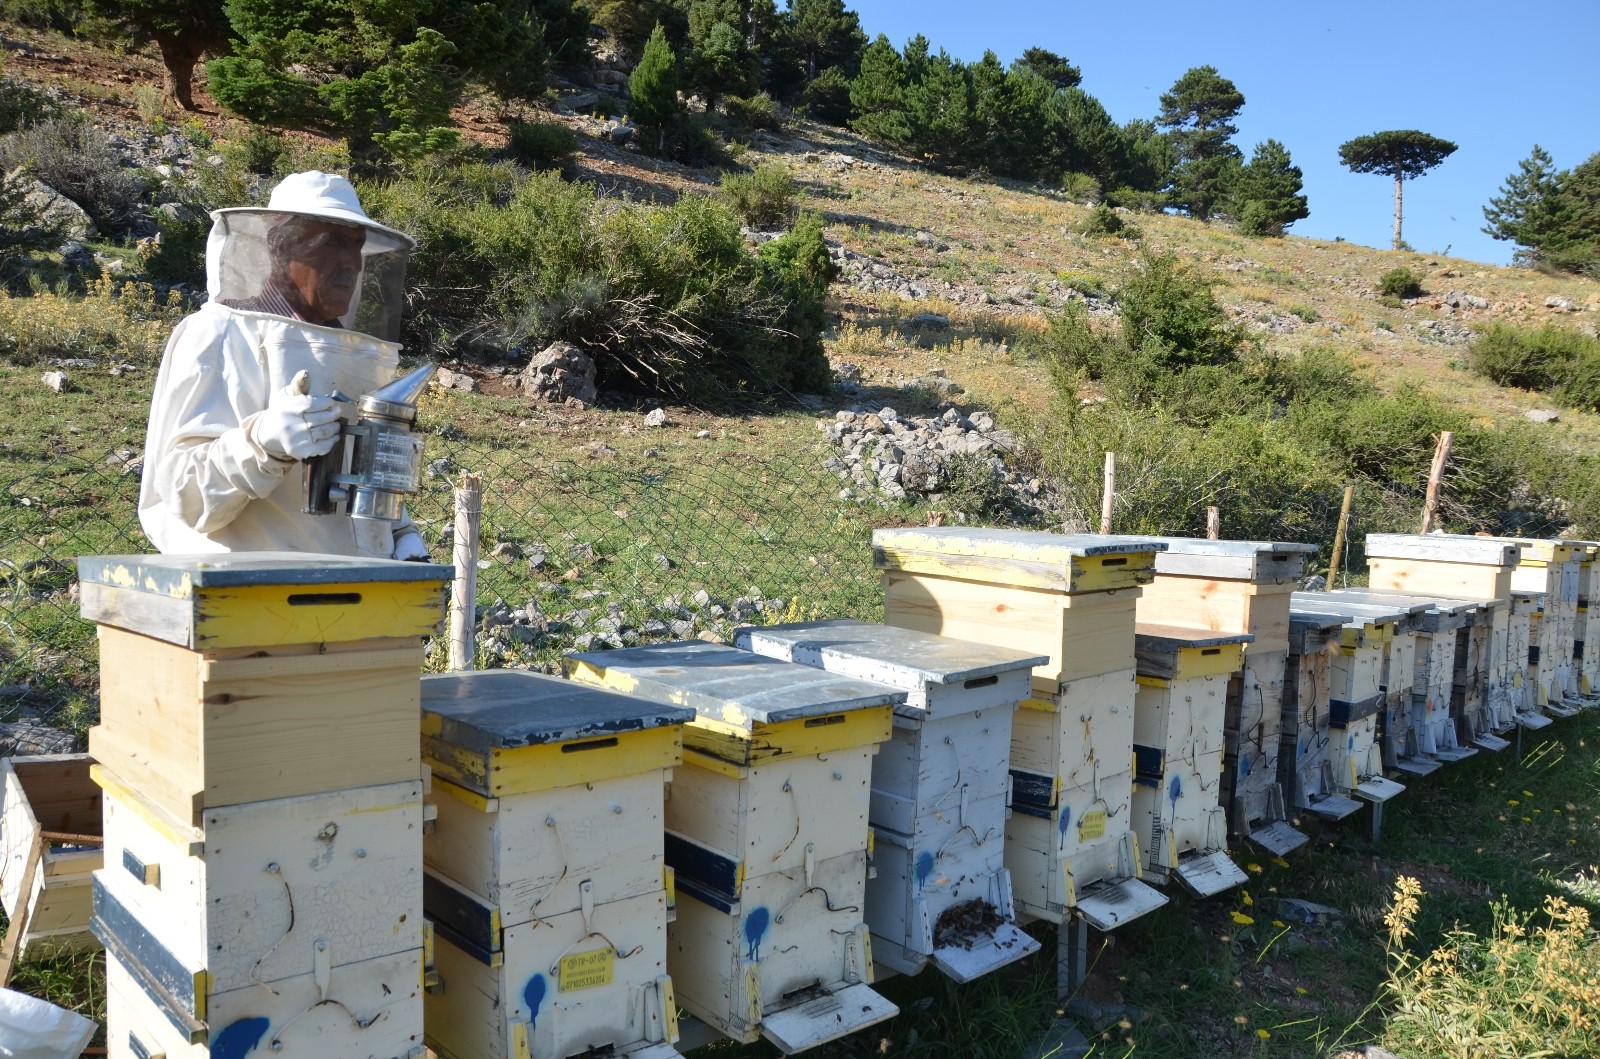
{"x":1530,"y":986}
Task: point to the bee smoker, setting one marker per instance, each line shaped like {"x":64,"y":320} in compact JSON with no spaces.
{"x":377,"y":461}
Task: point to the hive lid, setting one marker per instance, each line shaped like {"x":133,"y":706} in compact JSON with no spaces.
{"x":1444,"y":547}
{"x":729,"y":686}
{"x":1063,"y":562}
{"x":504,"y":708}
{"x":1170,"y":639}
{"x":1266,"y":562}
{"x":1353,"y":611}
{"x":901,"y":658}
{"x":184,"y":576}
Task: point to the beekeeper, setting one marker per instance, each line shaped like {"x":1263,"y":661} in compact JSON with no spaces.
{"x":305,"y":298}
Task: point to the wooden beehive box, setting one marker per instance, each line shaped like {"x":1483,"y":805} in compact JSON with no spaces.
{"x":1356,"y":702}
{"x":1398,"y":732}
{"x":1522,"y":652}
{"x":1588,"y":661}
{"x":1551,"y":568}
{"x":268,"y":910}
{"x":47,"y":803}
{"x":546,"y":875}
{"x":1073,"y":597}
{"x":766,"y":833}
{"x":940,"y":891}
{"x":1304,"y":763}
{"x":252,"y":676}
{"x":1240,"y":587}
{"x":1178,"y":720}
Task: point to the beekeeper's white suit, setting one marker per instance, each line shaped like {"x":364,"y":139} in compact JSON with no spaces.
{"x":231,"y":417}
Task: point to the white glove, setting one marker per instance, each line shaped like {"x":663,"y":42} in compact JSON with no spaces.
{"x":296,"y":425}
{"x":409,"y":548}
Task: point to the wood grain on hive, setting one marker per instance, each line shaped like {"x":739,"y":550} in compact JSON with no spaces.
{"x":1070,"y":845}
{"x":1178,"y":744}
{"x":766,"y":834}
{"x":547,"y":881}
{"x":940,"y":891}
{"x":50,"y":813}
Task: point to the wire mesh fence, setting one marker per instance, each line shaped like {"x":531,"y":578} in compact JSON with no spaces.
{"x":575,"y":554}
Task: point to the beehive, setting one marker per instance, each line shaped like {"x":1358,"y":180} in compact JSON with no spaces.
{"x":1399,"y":730}
{"x":263,"y":801}
{"x":1522,"y":648}
{"x":766,"y":834}
{"x":1070,"y":845}
{"x":1588,"y":661}
{"x":50,"y":814}
{"x":940,"y":891}
{"x":1179,"y":718}
{"x":1356,"y":700}
{"x":1240,"y":587}
{"x":546,"y":876}
{"x":1304,"y":763}
{"x":1552,"y":569}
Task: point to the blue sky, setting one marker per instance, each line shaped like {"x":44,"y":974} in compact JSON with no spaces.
{"x":1493,"y":78}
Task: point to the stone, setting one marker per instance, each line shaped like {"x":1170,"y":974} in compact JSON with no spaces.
{"x":619,"y":134}
{"x":507,"y":551}
{"x":441,"y":466}
{"x":22,"y":738}
{"x":124,"y":458}
{"x":873,"y":423}
{"x":561,"y":373}
{"x":52,"y":210}
{"x":847,"y":374}
{"x":446,"y":379}
{"x":656,"y":417}
{"x":682,"y":629}
{"x":55,"y":380}
{"x":580,"y":101}
{"x":599,"y":450}
{"x":930,"y":321}
{"x":1556,"y":301}
{"x":1308,"y":912}
{"x":1542,"y":415}
{"x":702,"y":433}
{"x":583,"y":552}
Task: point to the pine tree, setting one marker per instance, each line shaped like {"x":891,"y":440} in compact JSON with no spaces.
{"x":719,"y":58}
{"x":654,"y":87}
{"x":941,"y":112}
{"x":1520,"y":213}
{"x":1091,"y":142}
{"x":1199,"y":109}
{"x":184,"y":31}
{"x":878,"y":94}
{"x":825,"y":33}
{"x":1266,"y":196}
{"x":1403,"y":154}
{"x":1572,"y":239}
{"x":1052,"y":67}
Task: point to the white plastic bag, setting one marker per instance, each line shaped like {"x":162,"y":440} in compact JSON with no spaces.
{"x":36,"y":1029}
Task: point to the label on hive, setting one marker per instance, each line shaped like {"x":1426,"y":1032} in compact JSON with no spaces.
{"x":1092,"y":826}
{"x":584,"y":970}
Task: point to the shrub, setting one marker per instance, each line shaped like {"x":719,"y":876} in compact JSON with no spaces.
{"x":759,"y":111}
{"x":22,"y":105}
{"x":76,"y":159}
{"x":541,"y":144}
{"x":1531,"y":359}
{"x":1400,"y":283}
{"x":1103,"y":220}
{"x":1168,"y":309}
{"x":798,"y":266}
{"x":1073,"y":349}
{"x":258,"y":151}
{"x":127,"y":322}
{"x":178,"y":254}
{"x":763,"y":198}
{"x":1081,"y":187}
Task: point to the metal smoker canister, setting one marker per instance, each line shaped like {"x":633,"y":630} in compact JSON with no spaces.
{"x":377,"y":461}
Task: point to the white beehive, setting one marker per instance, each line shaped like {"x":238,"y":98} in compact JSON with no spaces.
{"x":766,"y":834}
{"x":1552,"y":569}
{"x":1356,"y":701}
{"x":1240,"y":587}
{"x":546,"y":874}
{"x":1586,"y":647}
{"x":1399,"y":731}
{"x":1179,"y":718}
{"x":1070,"y":844}
{"x":1522,"y":644}
{"x":1304,"y":762}
{"x":940,"y":891}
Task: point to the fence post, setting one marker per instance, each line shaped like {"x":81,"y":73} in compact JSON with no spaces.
{"x":1213,"y":523}
{"x":464,"y":590}
{"x":1338,"y":536}
{"x":1110,"y":492}
{"x":1441,"y":456}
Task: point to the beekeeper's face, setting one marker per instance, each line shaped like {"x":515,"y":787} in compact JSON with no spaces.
{"x":320,"y":268}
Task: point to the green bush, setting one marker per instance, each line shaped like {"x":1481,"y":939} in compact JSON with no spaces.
{"x":763,"y":198}
{"x":1073,"y":349}
{"x":1103,"y":220}
{"x":178,"y":256}
{"x":541,"y":144}
{"x":759,"y":111}
{"x":1081,"y":187}
{"x":258,"y":151}
{"x":666,"y":299}
{"x":76,"y":159}
{"x":1400,"y":283}
{"x":1168,"y":309}
{"x":22,"y":104}
{"x":1545,"y":358}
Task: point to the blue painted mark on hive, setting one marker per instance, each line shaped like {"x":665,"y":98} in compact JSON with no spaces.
{"x":1350,"y":742}
{"x":533,"y":996}
{"x":1175,"y":788}
{"x":239,"y":1038}
{"x":924,"y":867}
{"x":1244,"y":764}
{"x":1066,"y":818}
{"x":755,"y":928}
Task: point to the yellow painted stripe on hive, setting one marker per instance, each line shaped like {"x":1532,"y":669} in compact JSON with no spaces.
{"x":804,"y":737}
{"x":1196,"y":662}
{"x":465,"y":795}
{"x":1153,"y":682}
{"x":547,"y":766}
{"x":187,"y":838}
{"x":1092,"y":573}
{"x":269,"y":615}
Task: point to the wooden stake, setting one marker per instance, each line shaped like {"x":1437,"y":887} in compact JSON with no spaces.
{"x":464,"y":591}
{"x":1213,"y":523}
{"x":1441,"y":456}
{"x":1338,"y":536}
{"x":1110,"y":492}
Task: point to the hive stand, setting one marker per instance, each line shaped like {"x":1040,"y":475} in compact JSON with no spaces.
{"x":1356,"y":703}
{"x":49,"y":812}
{"x":546,"y":879}
{"x":1553,"y":569}
{"x":1178,"y":718}
{"x":1456,"y":566}
{"x":263,"y":802}
{"x":939,"y":891}
{"x":1522,"y":648}
{"x":766,"y":834}
{"x":1070,"y":844}
{"x":1240,"y":587}
{"x":1398,"y":724}
{"x":1304,"y":763}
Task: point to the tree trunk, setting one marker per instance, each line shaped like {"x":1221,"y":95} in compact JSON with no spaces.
{"x":178,"y":58}
{"x":1398,"y":211}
